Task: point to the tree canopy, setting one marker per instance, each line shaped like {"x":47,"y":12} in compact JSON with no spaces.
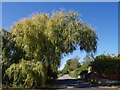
{"x":45,"y":37}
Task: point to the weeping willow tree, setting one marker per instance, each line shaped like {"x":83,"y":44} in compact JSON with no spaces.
{"x":45,"y":37}
{"x":26,"y":74}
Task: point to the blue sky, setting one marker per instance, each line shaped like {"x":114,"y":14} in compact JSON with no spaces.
{"x":102,"y":16}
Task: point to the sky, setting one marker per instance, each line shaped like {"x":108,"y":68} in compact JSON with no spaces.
{"x":103,"y":16}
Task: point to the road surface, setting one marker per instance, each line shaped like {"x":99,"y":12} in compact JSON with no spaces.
{"x":67,"y":83}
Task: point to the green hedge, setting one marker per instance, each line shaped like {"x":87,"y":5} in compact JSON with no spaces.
{"x":104,"y":64}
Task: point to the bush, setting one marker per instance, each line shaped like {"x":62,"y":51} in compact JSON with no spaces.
{"x":74,"y":74}
{"x":60,"y":75}
{"x":106,"y":65}
{"x":26,"y":74}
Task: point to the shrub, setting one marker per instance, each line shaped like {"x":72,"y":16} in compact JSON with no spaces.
{"x":60,"y":75}
{"x":72,"y":74}
{"x":106,"y":65}
{"x":75,"y":73}
{"x":26,"y":74}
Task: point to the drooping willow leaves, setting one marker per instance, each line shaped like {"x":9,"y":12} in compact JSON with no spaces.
{"x":10,"y":52}
{"x":45,"y":38}
{"x":26,"y":74}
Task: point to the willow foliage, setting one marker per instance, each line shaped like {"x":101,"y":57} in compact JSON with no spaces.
{"x":45,"y":37}
{"x":26,"y":74}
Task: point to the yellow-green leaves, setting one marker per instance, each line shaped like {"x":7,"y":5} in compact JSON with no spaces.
{"x":60,"y":27}
{"x":29,"y":74}
{"x":45,"y":38}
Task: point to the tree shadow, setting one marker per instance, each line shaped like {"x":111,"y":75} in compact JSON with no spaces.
{"x":74,"y":83}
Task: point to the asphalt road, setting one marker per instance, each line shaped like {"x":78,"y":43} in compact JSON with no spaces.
{"x":67,"y":83}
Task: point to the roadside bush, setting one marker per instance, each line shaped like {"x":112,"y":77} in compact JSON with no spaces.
{"x":74,"y":74}
{"x":60,"y":75}
{"x":106,"y":65}
{"x":26,"y":74}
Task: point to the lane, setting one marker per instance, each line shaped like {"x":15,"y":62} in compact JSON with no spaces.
{"x":74,"y":83}
{"x":67,"y":82}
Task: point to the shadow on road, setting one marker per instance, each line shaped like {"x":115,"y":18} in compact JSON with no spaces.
{"x":73,"y":83}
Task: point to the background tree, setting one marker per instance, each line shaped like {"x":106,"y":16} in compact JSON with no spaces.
{"x":87,"y":60}
{"x":89,"y":57}
{"x":86,"y":63}
{"x":71,"y":65}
